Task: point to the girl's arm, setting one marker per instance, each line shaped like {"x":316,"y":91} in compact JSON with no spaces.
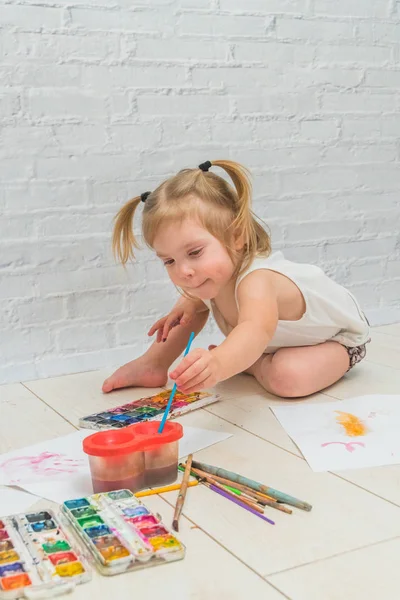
{"x":257,"y":321}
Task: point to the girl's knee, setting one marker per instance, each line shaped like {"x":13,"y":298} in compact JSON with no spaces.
{"x":285,"y":378}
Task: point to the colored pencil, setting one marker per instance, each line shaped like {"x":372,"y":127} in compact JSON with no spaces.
{"x":249,"y":502}
{"x":182,"y":494}
{"x":260,"y":498}
{"x":254,"y":485}
{"x":162,"y":490}
{"x":173,"y":391}
{"x":238,"y":502}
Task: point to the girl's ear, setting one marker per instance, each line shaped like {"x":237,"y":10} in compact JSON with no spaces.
{"x":238,"y":240}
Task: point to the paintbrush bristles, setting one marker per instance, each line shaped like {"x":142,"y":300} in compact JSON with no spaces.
{"x":182,"y":494}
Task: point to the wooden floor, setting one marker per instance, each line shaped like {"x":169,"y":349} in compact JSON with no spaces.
{"x":347,"y":548}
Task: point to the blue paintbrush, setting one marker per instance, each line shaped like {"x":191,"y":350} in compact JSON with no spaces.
{"x":167,"y":408}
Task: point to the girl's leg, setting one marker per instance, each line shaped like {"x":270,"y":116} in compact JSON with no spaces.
{"x":151,"y":369}
{"x":297,"y":372}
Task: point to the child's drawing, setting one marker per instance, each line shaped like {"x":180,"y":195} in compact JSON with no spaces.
{"x":45,"y":464}
{"x":348,"y":434}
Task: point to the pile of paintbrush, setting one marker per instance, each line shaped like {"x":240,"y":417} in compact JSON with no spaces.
{"x":248,"y":494}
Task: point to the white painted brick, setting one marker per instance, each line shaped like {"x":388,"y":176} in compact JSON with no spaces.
{"x":234,"y":77}
{"x":358,"y":102}
{"x":386,"y":33}
{"x":371,"y":270}
{"x":53,"y":104}
{"x":38,"y":76}
{"x":319,"y":129}
{"x":102,"y":166}
{"x":174,"y":131}
{"x":352,"y":8}
{"x":28,"y":140}
{"x":361,"y":128}
{"x":231,"y":131}
{"x":323,"y":179}
{"x":391,"y":290}
{"x":370,"y":203}
{"x":183,"y":105}
{"x":382,"y":78}
{"x":18,"y":344}
{"x":118,"y":76}
{"x":44,"y":310}
{"x":80,"y":136}
{"x":155,"y":300}
{"x":346,"y":54}
{"x":347,"y":154}
{"x":84,"y":337}
{"x":20,"y":227}
{"x":269,"y":51}
{"x":390,"y":125}
{"x":290,"y":104}
{"x":124,"y":20}
{"x":332,"y":77}
{"x":30,"y":18}
{"x":194,"y":3}
{"x":181,"y":49}
{"x":15,"y":168}
{"x":266,"y":6}
{"x":74,"y":224}
{"x":361,"y":249}
{"x":44,"y":194}
{"x":9,"y":104}
{"x":135,"y":136}
{"x":275,"y":130}
{"x":134,"y":329}
{"x":85,"y":279}
{"x":14,"y":286}
{"x":95,"y":304}
{"x":393,"y":269}
{"x":223,"y":25}
{"x":320,"y":230}
{"x":279,"y":157}
{"x":313,"y":29}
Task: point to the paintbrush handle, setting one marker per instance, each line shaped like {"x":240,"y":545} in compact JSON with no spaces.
{"x":182,"y":493}
{"x":238,"y":502}
{"x":254,"y":485}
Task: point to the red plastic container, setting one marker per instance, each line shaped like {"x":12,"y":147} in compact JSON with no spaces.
{"x":135,"y":457}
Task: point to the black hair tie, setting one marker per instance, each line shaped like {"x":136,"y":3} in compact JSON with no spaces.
{"x":205,"y":166}
{"x":144,"y":196}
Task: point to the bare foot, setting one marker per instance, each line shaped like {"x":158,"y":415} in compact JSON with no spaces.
{"x":137,"y":373}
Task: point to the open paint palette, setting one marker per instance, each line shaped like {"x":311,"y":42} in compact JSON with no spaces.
{"x":120,"y":533}
{"x":37,"y":558}
{"x":147,"y":409}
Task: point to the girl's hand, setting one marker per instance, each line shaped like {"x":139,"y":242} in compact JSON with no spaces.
{"x":198,"y":370}
{"x":181,"y":314}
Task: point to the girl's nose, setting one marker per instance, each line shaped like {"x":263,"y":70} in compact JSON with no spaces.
{"x":186,"y":271}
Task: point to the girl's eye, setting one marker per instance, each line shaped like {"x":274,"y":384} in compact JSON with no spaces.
{"x":195,"y":252}
{"x":167,"y":263}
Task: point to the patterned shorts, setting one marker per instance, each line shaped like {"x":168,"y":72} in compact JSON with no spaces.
{"x":356,"y":354}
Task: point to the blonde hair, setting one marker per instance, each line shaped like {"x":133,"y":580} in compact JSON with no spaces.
{"x":223,"y":210}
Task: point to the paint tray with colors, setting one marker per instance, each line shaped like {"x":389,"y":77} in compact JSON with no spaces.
{"x":37,"y":557}
{"x":147,"y":409}
{"x":120,"y":533}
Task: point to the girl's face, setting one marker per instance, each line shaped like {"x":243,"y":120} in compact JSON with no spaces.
{"x":195,"y":260}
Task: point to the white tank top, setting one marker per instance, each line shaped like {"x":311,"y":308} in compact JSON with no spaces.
{"x":332,"y":312}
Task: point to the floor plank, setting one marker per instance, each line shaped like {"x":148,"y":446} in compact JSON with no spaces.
{"x":25,"y":420}
{"x":365,"y":574}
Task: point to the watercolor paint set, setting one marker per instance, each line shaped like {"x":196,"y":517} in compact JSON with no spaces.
{"x":38,"y":558}
{"x":150,"y":408}
{"x":120,"y":533}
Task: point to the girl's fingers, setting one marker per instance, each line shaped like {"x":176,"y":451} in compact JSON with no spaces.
{"x":192,"y":371}
{"x":168,"y":325}
{"x":206,"y":383}
{"x":196,"y":382}
{"x":156,"y":326}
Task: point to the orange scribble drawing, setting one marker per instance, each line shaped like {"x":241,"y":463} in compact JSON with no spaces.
{"x":352,"y":424}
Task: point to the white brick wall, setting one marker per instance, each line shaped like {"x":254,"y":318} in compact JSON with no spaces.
{"x":102,"y":99}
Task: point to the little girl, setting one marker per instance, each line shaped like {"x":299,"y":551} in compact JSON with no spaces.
{"x":287,"y":324}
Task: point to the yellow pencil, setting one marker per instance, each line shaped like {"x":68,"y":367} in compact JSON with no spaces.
{"x":161,"y":490}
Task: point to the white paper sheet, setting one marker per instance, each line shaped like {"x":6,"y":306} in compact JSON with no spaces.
{"x":14,"y":501}
{"x":58,"y":469}
{"x":326,"y":444}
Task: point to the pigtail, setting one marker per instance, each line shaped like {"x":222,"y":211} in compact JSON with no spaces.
{"x":255,"y":237}
{"x":123,"y":240}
